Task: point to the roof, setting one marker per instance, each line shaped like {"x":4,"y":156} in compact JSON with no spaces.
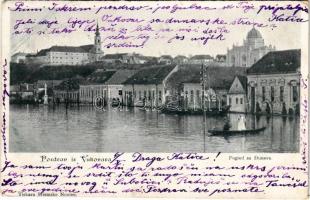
{"x":217,"y":77}
{"x":253,"y":33}
{"x":120,"y":76}
{"x":243,"y":80}
{"x":67,"y":49}
{"x":274,"y":62}
{"x":166,"y":57}
{"x":151,"y":75}
{"x":49,"y":83}
{"x":80,"y":49}
{"x":19,"y":54}
{"x":201,"y":57}
{"x":98,"y":77}
{"x":180,"y":57}
{"x":87,"y":47}
{"x":114,"y":56}
{"x":219,"y":56}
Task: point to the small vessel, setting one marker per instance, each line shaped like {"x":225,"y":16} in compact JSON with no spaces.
{"x":217,"y":132}
{"x":180,"y":111}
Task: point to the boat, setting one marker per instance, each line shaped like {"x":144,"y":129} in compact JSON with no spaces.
{"x":217,"y":132}
{"x":180,"y":111}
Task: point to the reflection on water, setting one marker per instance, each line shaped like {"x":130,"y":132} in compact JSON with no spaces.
{"x":85,"y":129}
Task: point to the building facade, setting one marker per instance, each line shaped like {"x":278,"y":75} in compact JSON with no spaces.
{"x":200,"y":59}
{"x":148,"y":86}
{"x":273,"y":83}
{"x":69,"y":55}
{"x":237,"y":95}
{"x":252,"y":50}
{"x":94,"y":90}
{"x":115,"y":85}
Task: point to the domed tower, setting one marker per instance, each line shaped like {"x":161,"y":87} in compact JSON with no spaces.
{"x":97,"y":47}
{"x":255,"y":39}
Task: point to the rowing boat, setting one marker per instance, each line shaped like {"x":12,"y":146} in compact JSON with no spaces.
{"x":215,"y":132}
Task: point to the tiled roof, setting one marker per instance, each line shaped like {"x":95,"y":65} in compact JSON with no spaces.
{"x":87,"y":47}
{"x":114,"y":56}
{"x":277,"y":62}
{"x":151,"y":75}
{"x":49,"y":83}
{"x":243,"y":81}
{"x":120,"y":76}
{"x":217,"y":77}
{"x":200,"y":57}
{"x":67,"y":49}
{"x":166,"y":57}
{"x":98,"y":77}
{"x":80,"y":49}
{"x":19,"y":54}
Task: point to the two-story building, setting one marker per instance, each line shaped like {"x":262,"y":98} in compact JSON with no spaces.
{"x":185,"y":85}
{"x":94,"y":88}
{"x":115,"y":84}
{"x":148,"y":86}
{"x":273,"y":83}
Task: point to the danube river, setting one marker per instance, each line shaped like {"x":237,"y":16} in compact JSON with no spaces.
{"x":87,"y":129}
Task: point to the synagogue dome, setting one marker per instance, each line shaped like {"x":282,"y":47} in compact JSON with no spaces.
{"x":253,"y":33}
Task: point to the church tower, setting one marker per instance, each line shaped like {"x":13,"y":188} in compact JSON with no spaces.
{"x":97,"y":46}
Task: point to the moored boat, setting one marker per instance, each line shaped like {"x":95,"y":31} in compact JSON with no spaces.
{"x":180,"y":111}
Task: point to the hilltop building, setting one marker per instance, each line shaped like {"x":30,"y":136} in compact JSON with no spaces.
{"x":251,"y":51}
{"x":69,"y":55}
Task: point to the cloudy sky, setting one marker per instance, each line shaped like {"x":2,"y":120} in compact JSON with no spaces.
{"x":284,"y":36}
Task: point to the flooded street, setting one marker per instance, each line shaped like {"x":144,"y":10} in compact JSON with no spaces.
{"x":87,"y":129}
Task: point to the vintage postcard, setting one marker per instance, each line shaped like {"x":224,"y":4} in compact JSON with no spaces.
{"x":174,"y":99}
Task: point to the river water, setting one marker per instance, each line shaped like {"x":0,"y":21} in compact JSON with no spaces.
{"x":88,"y":129}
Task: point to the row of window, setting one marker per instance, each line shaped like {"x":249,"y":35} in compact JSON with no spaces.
{"x":281,"y":93}
{"x":236,"y":100}
{"x":91,"y":93}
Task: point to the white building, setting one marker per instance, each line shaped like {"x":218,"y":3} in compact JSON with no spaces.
{"x":69,"y":55}
{"x":237,"y":95}
{"x":252,"y":50}
{"x":200,"y":59}
{"x":115,"y":84}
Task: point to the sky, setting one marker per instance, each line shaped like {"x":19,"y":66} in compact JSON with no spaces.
{"x":287,"y":35}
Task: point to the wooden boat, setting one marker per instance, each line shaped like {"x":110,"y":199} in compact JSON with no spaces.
{"x":215,"y":132}
{"x":179,"y":111}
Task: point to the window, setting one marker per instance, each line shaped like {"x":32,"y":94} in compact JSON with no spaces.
{"x":263,"y":93}
{"x":198,"y":95}
{"x":229,"y":100}
{"x":241,"y":100}
{"x":149,"y":95}
{"x":237,"y":100}
{"x":140,"y":95}
{"x":192,"y":95}
{"x":159,"y":95}
{"x":295,"y":93}
{"x":281,"y":93}
{"x":144,"y":94}
{"x":272,"y":93}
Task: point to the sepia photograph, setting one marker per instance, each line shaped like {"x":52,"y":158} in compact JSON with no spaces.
{"x":111,"y":81}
